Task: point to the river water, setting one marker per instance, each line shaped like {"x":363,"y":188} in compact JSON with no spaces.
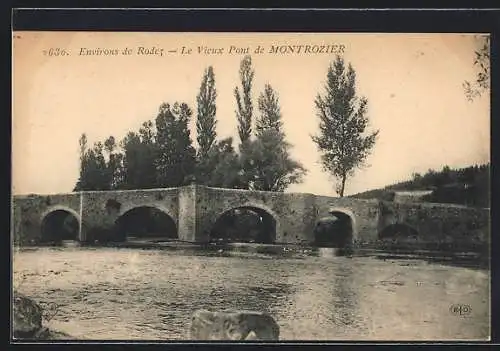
{"x":135,"y":294}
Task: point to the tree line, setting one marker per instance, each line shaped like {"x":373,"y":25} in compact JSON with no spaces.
{"x":161,"y":153}
{"x":467,"y":186}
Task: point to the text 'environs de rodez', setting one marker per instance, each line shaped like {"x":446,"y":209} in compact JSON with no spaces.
{"x":141,"y":50}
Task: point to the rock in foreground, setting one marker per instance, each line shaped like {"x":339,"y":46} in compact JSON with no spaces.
{"x":27,"y":317}
{"x":27,"y":320}
{"x":233,"y":325}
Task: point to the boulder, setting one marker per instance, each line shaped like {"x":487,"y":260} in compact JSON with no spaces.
{"x":233,"y":325}
{"x":27,"y":317}
{"x":27,"y":321}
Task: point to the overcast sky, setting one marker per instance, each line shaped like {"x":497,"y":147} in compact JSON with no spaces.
{"x":413,"y":83}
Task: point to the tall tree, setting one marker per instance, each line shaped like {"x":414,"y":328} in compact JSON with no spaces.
{"x":149,"y":154}
{"x":82,"y":142}
{"x":147,"y":133}
{"x":175,"y":164}
{"x":102,"y":175}
{"x":482,"y":64}
{"x":114,"y":163}
{"x":131,"y":144}
{"x":223,"y":162}
{"x":268,"y":156}
{"x":94,"y":170}
{"x":270,"y":111}
{"x":139,"y":156}
{"x":342,"y":142}
{"x":221,"y":167}
{"x":244,"y":100}
{"x":206,"y":120}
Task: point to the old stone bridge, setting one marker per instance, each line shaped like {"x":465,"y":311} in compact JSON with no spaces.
{"x":194,"y":210}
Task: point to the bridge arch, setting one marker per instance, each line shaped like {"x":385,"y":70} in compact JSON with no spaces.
{"x":59,"y":223}
{"x":248,"y":222}
{"x":149,"y":221}
{"x":337,"y":229}
{"x":398,"y":232}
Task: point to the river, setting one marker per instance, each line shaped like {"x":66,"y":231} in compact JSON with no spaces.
{"x":135,"y":294}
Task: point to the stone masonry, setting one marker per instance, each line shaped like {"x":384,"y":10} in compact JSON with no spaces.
{"x":195,"y":209}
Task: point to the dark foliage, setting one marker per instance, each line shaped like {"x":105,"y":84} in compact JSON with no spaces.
{"x":465,"y":186}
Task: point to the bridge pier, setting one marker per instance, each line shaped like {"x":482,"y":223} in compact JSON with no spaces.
{"x":187,"y":228}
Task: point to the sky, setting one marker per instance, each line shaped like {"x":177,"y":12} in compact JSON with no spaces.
{"x":413,"y":83}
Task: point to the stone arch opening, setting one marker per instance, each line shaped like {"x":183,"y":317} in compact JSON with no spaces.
{"x":335,"y":230}
{"x":248,"y":224}
{"x":398,"y":233}
{"x":146,"y":222}
{"x":59,"y":225}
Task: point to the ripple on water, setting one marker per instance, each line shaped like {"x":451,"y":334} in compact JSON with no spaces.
{"x":134,"y":294}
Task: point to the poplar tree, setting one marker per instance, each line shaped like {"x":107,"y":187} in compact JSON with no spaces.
{"x":244,"y":100}
{"x":267,"y":158}
{"x":343,"y":142}
{"x":206,"y":119}
{"x":270,"y":111}
{"x":82,"y":143}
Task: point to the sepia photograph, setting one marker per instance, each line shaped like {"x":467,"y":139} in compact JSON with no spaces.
{"x":207,"y":186}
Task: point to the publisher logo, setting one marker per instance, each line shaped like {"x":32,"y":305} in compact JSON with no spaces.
{"x":460,"y":309}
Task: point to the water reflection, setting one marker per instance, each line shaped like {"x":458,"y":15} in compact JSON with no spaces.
{"x":344,"y":300}
{"x":325,"y":287}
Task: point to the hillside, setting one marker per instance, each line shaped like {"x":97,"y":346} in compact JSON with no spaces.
{"x":466,"y":186}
